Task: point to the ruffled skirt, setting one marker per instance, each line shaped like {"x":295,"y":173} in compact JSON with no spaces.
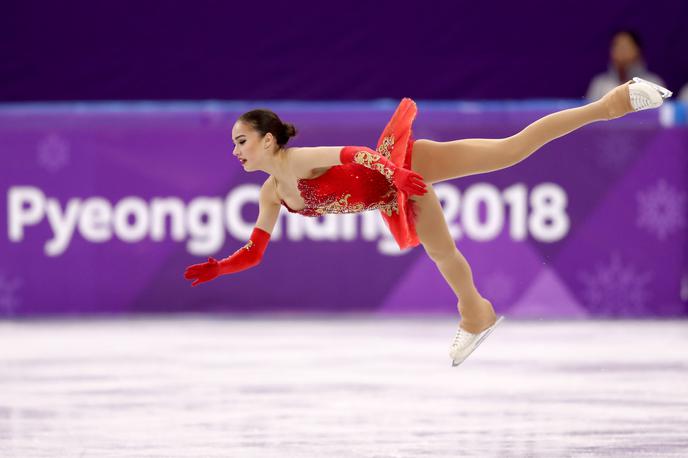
{"x":396,"y":144}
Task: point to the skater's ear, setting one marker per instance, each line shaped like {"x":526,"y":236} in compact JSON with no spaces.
{"x":269,"y":141}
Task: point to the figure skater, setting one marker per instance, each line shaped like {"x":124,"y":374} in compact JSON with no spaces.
{"x":393,"y":179}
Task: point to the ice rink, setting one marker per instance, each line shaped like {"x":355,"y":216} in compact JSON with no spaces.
{"x":340,"y":387}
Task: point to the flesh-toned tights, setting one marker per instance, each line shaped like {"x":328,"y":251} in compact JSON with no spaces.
{"x":439,"y":161}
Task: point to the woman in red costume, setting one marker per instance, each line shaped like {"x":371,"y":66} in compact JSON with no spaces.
{"x":393,"y":179}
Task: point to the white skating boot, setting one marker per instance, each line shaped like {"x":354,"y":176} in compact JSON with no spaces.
{"x":646,"y":95}
{"x":465,"y":342}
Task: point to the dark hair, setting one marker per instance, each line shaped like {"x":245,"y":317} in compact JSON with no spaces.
{"x":635,"y":38}
{"x":265,"y":121}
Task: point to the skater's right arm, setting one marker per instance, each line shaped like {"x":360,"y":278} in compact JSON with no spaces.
{"x":250,"y":254}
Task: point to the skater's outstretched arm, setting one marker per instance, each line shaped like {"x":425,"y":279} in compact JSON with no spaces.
{"x":250,"y":254}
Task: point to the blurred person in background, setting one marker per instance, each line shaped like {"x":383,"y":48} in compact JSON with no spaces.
{"x":626,"y":62}
{"x":683,"y":94}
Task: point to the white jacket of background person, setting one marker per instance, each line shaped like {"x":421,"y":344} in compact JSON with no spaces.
{"x":605,"y":82}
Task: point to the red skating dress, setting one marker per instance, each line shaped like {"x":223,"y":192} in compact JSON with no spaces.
{"x":353,"y":188}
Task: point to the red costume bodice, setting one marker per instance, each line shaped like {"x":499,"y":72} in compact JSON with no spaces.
{"x":352,"y":187}
{"x":347,"y":188}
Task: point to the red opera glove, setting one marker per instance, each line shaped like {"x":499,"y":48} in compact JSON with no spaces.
{"x":245,"y":257}
{"x":406,"y":180}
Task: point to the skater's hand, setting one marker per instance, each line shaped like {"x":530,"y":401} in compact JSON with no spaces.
{"x":409,"y":181}
{"x":202,"y":272}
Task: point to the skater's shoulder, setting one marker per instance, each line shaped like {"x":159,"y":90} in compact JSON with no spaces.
{"x":305,"y":162}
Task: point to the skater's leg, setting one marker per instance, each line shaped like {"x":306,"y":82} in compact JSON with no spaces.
{"x":439,"y":161}
{"x":476,"y":312}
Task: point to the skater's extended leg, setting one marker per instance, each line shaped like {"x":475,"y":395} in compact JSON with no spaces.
{"x":439,"y":161}
{"x":476,"y":312}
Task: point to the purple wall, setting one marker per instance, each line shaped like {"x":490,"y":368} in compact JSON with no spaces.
{"x":594,"y":224}
{"x":313,"y":50}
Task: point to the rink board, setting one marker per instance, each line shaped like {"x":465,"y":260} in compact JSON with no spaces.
{"x":104,"y":205}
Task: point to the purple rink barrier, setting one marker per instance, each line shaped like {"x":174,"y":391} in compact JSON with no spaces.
{"x":104,"y":205}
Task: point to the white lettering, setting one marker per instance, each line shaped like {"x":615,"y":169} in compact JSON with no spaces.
{"x":347,"y":226}
{"x":160,"y":209}
{"x":549,"y":221}
{"x":374,"y":227}
{"x":136,"y":230}
{"x":515,"y":198}
{"x":19,"y":215}
{"x":95,"y":220}
{"x":295,"y":226}
{"x":62,"y":225}
{"x":482,"y":193}
{"x":206,"y":236}
{"x":240,"y":196}
{"x":204,"y":222}
{"x":322,"y":228}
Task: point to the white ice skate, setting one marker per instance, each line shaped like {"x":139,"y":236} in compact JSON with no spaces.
{"x":465,"y":342}
{"x":646,"y":95}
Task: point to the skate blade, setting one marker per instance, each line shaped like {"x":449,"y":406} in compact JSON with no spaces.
{"x":482,"y":337}
{"x":664,"y":92}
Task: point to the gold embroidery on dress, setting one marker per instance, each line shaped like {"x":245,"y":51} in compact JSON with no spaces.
{"x":342,"y":205}
{"x":370,"y":161}
{"x":389,"y":203}
{"x":389,"y":208}
{"x":385,"y":146}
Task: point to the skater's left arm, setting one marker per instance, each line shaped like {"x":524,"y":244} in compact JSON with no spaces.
{"x":304,"y":160}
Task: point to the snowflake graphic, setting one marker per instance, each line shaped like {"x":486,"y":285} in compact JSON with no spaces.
{"x":498,"y":287}
{"x":661,"y":209}
{"x":615,"y":151}
{"x":53,"y":153}
{"x":9,"y":297}
{"x":616,"y":289}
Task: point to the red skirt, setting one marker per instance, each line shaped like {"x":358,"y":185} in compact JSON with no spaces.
{"x":396,"y":144}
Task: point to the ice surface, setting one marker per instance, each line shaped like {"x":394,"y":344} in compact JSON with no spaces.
{"x":340,"y":387}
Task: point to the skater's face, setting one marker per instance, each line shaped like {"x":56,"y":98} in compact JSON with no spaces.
{"x":624,"y":51}
{"x":249,"y":146}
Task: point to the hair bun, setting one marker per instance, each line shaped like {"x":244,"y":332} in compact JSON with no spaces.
{"x":289,"y":130}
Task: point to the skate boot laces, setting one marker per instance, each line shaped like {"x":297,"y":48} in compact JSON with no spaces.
{"x":462,"y":339}
{"x":645,"y":95}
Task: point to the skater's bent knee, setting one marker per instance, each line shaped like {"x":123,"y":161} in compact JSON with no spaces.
{"x":441,"y":255}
